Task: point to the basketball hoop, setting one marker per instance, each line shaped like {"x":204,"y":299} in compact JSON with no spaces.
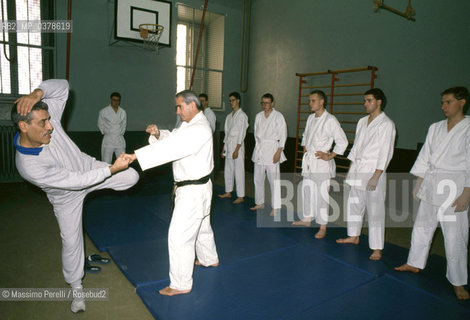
{"x":150,"y":34}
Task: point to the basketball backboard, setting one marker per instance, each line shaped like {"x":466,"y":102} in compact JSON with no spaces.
{"x":129,"y":14}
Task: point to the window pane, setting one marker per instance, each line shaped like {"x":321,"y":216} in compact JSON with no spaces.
{"x":180,"y":79}
{"x":4,"y":18}
{"x":34,"y":13}
{"x":23,"y":70}
{"x":28,"y":10}
{"x":35,"y":67}
{"x":5,"y":80}
{"x":181,"y":31}
{"x":22,"y":14}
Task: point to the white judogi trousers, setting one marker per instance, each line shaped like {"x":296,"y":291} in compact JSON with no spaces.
{"x":69,"y":217}
{"x":374,"y":201}
{"x":316,"y":200}
{"x":107,"y":153}
{"x":234,"y":172}
{"x":455,"y":230}
{"x":273,"y":172}
{"x":190,"y":227}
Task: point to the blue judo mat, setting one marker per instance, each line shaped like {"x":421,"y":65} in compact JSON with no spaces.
{"x":264,"y":273}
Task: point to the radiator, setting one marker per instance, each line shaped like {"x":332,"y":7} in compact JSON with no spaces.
{"x":8,"y":172}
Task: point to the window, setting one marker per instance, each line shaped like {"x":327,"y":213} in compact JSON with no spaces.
{"x":26,"y":57}
{"x":210,"y":64}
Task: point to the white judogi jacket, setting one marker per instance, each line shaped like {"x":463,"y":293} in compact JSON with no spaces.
{"x":270,"y":135}
{"x":189,"y":147}
{"x":113,"y":126}
{"x":319,"y":135}
{"x":59,"y":168}
{"x":235,"y":131}
{"x":372,"y":150}
{"x":210,"y":115}
{"x":444,"y":163}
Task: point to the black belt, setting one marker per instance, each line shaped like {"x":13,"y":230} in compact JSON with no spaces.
{"x":183,"y":183}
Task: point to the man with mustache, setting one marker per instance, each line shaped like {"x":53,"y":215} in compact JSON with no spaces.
{"x":49,"y":159}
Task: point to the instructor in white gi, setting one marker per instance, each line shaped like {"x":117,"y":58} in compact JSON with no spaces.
{"x":189,"y":147}
{"x":318,"y":164}
{"x":443,"y":186}
{"x":112,"y":122}
{"x":48,"y":158}
{"x":370,"y":156}
{"x":270,"y":136}
{"x":233,"y":151}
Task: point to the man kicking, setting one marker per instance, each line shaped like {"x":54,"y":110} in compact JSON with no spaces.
{"x":444,"y":164}
{"x":370,"y":156}
{"x":49,"y":159}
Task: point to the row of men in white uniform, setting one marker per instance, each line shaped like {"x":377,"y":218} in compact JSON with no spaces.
{"x":67,"y":175}
{"x":445,"y":156}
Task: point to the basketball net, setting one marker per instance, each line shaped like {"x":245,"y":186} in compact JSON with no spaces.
{"x":150,"y":34}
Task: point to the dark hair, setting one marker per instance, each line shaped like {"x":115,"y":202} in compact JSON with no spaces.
{"x":236,"y":95}
{"x":16,"y":117}
{"x":188,"y":97}
{"x":378,"y":95}
{"x":203,"y":95}
{"x":115,"y":94}
{"x":322,"y":96}
{"x":268,"y":96}
{"x":460,"y":93}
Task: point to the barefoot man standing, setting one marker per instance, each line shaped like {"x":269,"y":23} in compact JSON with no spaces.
{"x":443,"y":171}
{"x":370,"y":156}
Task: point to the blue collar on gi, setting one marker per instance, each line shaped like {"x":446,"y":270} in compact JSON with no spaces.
{"x":24,"y":150}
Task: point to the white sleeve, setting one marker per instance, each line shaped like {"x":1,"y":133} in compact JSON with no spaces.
{"x":421,"y":164}
{"x":386,"y":146}
{"x":174,"y":146}
{"x":282,"y":129}
{"x":341,"y":141}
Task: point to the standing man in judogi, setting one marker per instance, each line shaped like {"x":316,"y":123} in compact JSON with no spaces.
{"x":443,"y":186}
{"x":318,"y":164}
{"x":370,"y":156}
{"x":270,"y":136}
{"x":49,"y":159}
{"x":190,"y":149}
{"x":210,"y":115}
{"x":112,"y":121}
{"x":233,"y":151}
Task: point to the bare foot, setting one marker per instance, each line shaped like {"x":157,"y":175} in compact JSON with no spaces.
{"x":273,"y":212}
{"x":407,"y":268}
{"x":351,"y":240}
{"x":238,"y":200}
{"x":257,"y":207}
{"x":225,"y":195}
{"x":197,"y":263}
{"x":376,"y":255}
{"x":321,"y":233}
{"x":461,"y":293}
{"x":301,"y":223}
{"x":167,"y":291}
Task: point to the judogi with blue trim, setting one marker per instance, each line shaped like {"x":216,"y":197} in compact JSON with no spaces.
{"x":67,"y":175}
